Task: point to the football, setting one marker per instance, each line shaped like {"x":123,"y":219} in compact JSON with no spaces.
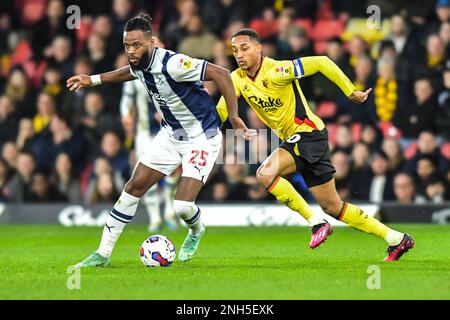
{"x":157,"y":251}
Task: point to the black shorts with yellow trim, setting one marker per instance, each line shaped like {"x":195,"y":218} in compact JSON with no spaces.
{"x":312,"y":155}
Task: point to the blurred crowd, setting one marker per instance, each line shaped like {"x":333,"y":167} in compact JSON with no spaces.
{"x":58,"y":146}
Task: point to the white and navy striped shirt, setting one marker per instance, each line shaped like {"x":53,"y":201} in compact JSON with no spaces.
{"x":174,"y":83}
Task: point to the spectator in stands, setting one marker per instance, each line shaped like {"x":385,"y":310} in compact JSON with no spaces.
{"x":385,"y":92}
{"x":429,"y":183}
{"x":341,"y":163}
{"x":176,"y":28}
{"x":25,"y":135}
{"x":45,"y":112}
{"x":53,"y":83}
{"x":64,"y":179}
{"x":405,"y":42}
{"x":427,"y":145}
{"x":103,"y":27}
{"x":299,"y":44}
{"x":344,"y":139}
{"x":20,"y":183}
{"x":43,"y":190}
{"x":392,"y":148}
{"x":95,"y":122}
{"x":96,"y":47}
{"x":357,"y":48}
{"x":419,"y":116}
{"x":285,"y":22}
{"x":103,"y":167}
{"x":405,"y":190}
{"x":48,"y":28}
{"x":444,"y":34}
{"x":376,"y":185}
{"x":360,"y":158}
{"x":371,"y":136}
{"x":104,"y":190}
{"x":198,"y":42}
{"x":349,"y":112}
{"x":60,"y":55}
{"x":111,"y":149}
{"x":214,"y":17}
{"x":5,"y":175}
{"x":234,"y":177}
{"x":58,"y":138}
{"x":122,"y":12}
{"x":73,"y":103}
{"x":21,"y":95}
{"x":9,"y":154}
{"x":442,"y":116}
{"x":434,"y":61}
{"x":220,"y":192}
{"x":8,"y":120}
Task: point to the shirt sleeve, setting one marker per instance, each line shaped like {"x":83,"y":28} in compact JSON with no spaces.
{"x":283,"y":72}
{"x":186,"y":69}
{"x":310,"y":65}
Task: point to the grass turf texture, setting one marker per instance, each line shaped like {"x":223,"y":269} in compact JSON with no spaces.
{"x":232,"y":263}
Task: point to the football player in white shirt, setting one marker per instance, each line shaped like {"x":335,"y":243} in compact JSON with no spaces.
{"x":189,"y":137}
{"x":135,"y":108}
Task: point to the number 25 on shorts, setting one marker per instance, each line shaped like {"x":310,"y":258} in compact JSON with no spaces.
{"x":198,"y":157}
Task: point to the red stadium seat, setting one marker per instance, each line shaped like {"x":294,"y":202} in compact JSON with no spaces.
{"x":33,"y":11}
{"x":445,"y":150}
{"x":410,"y":151}
{"x":22,"y":53}
{"x":332,"y":129}
{"x":326,"y":109}
{"x":356,"y":131}
{"x":263,"y":27}
{"x":327,"y":29}
{"x":83,"y":33}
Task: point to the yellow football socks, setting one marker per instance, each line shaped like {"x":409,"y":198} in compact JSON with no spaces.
{"x":286,"y":193}
{"x":356,"y":218}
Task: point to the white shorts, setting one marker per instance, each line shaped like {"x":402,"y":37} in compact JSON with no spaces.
{"x":196,"y":156}
{"x":143,"y":142}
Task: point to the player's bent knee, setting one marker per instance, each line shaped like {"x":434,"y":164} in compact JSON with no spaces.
{"x":182,"y":208}
{"x":264,"y":177}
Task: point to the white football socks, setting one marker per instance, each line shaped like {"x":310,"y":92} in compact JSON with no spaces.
{"x":122,"y":213}
{"x":191,"y":215}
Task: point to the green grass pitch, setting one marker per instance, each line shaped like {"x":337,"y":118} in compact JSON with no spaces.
{"x":232,"y":263}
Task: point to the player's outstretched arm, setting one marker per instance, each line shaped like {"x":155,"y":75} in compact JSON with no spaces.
{"x":222,"y":78}
{"x":84,"y":81}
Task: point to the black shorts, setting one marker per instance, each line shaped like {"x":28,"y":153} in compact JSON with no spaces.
{"x":312,"y":154}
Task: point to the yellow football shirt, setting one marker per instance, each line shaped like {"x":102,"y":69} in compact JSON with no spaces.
{"x":276,"y":96}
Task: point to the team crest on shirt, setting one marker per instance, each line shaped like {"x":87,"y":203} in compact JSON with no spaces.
{"x":265,"y":83}
{"x":185,"y":64}
{"x":283,"y":71}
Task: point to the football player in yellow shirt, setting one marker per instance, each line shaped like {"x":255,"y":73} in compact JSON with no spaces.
{"x":272,"y":90}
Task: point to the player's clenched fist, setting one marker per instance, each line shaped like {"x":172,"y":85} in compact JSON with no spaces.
{"x":78,"y":82}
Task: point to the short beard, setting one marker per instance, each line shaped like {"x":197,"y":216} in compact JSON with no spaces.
{"x":144,"y":61}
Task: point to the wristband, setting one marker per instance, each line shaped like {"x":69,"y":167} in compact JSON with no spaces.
{"x":96,"y":80}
